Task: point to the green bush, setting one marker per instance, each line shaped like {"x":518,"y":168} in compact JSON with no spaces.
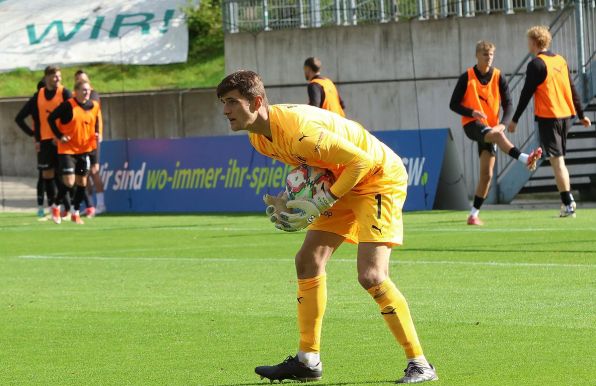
{"x":205,"y":30}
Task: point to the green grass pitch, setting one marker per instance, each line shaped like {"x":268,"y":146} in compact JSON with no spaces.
{"x":202,"y":300}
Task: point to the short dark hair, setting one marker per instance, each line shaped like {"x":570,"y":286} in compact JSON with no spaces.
{"x":50,"y":70}
{"x":80,"y":72}
{"x":313,"y":63}
{"x":81,"y":83}
{"x":248,"y":83}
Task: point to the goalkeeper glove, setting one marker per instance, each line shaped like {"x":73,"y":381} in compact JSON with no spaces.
{"x":275,"y":205}
{"x":305,"y":211}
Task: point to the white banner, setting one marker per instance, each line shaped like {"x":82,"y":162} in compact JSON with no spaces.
{"x":34,"y":34}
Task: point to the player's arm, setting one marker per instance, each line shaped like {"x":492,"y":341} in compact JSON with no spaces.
{"x":535,"y":75}
{"x":316,"y":94}
{"x":327,"y":147}
{"x":98,"y":124}
{"x":506,"y":101}
{"x":577,"y":104}
{"x":64,"y":113}
{"x":458,"y":95}
{"x":20,"y":119}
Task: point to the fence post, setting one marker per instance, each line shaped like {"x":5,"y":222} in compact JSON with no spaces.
{"x":444,"y":9}
{"x":266,"y":16}
{"x":315,"y":13}
{"x":460,"y":10}
{"x":581,"y":52}
{"x":421,"y":13}
{"x":353,"y":14}
{"x":382,"y":14}
{"x":530,"y":5}
{"x":395,"y":10}
{"x":509,"y":7}
{"x":469,"y":11}
{"x":549,"y":6}
{"x":232,"y":17}
{"x":337,"y":12}
{"x":301,"y":13}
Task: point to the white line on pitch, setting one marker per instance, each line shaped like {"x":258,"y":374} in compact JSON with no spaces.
{"x":284,"y":260}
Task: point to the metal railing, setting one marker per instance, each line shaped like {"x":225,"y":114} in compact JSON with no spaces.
{"x":579,"y":49}
{"x":266,"y":15}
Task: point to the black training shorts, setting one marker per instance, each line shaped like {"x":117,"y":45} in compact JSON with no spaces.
{"x":476,"y":131}
{"x":47,"y":157}
{"x":553,"y":135}
{"x":78,"y":164}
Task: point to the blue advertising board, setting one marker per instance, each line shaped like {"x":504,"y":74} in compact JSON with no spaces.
{"x":225,"y":174}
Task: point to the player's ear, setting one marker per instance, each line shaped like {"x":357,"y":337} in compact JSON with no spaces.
{"x":257,"y":102}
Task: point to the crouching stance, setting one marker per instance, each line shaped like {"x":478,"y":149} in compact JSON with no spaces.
{"x":363,"y":206}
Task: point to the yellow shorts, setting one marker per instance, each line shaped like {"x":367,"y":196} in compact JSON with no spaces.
{"x":371,"y":212}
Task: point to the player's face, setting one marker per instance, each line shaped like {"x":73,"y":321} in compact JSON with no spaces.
{"x":485,"y":58}
{"x":83,"y":93}
{"x":239,"y":110}
{"x":307,"y":73}
{"x":52,"y":81}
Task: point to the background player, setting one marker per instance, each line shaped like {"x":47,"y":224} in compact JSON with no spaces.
{"x":322,"y":91}
{"x":91,"y":210}
{"x":77,"y":129}
{"x":39,"y":107}
{"x":556,"y":102}
{"x":363,"y":206}
{"x":477,"y":96}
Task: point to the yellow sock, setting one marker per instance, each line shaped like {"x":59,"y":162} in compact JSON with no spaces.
{"x":396,"y":313}
{"x":312,"y":300}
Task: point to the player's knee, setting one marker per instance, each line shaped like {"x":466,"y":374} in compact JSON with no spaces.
{"x":309,"y":263}
{"x":371,"y":278}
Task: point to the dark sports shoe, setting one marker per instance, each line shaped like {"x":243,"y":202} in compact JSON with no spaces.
{"x":417,"y":373}
{"x":291,"y":368}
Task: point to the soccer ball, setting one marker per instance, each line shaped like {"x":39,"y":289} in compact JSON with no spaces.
{"x":306,"y":182}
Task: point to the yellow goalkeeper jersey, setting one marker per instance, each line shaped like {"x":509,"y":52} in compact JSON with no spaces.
{"x":303,"y":134}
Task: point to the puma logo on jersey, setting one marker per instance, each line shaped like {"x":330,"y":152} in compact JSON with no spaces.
{"x":377,"y":229}
{"x":482,"y":98}
{"x":300,"y":299}
{"x":558,"y":69}
{"x":303,"y":136}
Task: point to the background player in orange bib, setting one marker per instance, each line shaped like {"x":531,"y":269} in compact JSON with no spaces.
{"x":44,"y":101}
{"x":322,"y":92}
{"x":92,"y":210}
{"x":76,"y":125}
{"x":556,"y":103}
{"x":477,"y":96}
{"x":363,"y":206}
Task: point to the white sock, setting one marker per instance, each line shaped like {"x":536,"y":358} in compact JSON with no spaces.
{"x":523,"y":158}
{"x":421,"y":360}
{"x":99,"y":197}
{"x":474,"y":212}
{"x":311,"y":359}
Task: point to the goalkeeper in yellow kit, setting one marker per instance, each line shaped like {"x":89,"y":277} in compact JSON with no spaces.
{"x":363,"y":206}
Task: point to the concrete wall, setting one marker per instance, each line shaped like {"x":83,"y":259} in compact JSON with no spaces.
{"x":175,"y":114}
{"x":393,"y":75}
